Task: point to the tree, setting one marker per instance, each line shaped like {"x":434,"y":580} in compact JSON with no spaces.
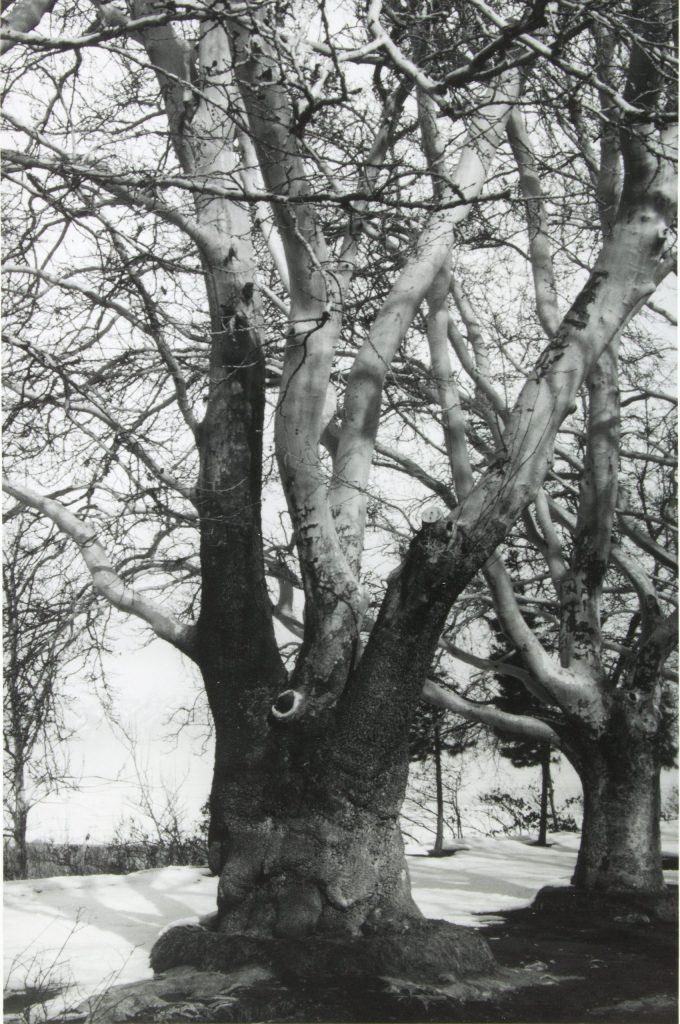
{"x":608,"y":611}
{"x":359,"y":213}
{"x":431,"y":736}
{"x":525,"y":753}
{"x":42,"y":623}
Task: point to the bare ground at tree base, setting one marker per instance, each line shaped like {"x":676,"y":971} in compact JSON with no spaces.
{"x":604,"y":970}
{"x":570,"y":971}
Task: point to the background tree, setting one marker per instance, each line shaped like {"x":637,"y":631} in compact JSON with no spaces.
{"x":525,"y":753}
{"x":230,"y":149}
{"x":436,"y":737}
{"x":45,"y":645}
{"x":612,"y":603}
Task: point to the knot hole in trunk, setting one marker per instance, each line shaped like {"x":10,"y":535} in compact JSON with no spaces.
{"x":287,"y":705}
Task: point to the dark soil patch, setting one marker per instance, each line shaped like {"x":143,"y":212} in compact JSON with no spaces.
{"x":15,"y":1002}
{"x":607,"y":969}
{"x":560,"y":968}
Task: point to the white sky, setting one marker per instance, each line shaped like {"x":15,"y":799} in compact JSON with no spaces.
{"x":149,"y":683}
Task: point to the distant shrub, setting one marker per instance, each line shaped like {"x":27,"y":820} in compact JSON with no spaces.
{"x":45,"y":860}
{"x":131,"y":850}
{"x":509,"y":813}
{"x":135,"y":847}
{"x":669,"y":808}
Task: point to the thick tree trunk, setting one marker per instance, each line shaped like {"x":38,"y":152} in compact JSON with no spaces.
{"x":301,"y":850}
{"x":320,"y":865}
{"x":314,"y":880}
{"x":620,"y":845}
{"x":308,"y":813}
{"x":235,"y":644}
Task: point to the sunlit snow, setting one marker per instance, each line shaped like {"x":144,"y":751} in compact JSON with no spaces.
{"x":83,"y":934}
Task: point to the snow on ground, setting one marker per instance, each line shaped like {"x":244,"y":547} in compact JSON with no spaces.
{"x":83,"y":934}
{"x":488,"y":875}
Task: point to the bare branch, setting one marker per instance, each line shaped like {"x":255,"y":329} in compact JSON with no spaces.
{"x":487,"y":714}
{"x":433,"y":248}
{"x":105,"y":579}
{"x":21,"y":19}
{"x":537,"y":223}
{"x":548,"y":681}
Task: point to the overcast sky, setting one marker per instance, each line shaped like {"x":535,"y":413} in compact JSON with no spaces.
{"x":148,"y":684}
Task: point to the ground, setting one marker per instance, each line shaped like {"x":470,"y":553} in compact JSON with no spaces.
{"x":606,"y":971}
{"x":80,"y":935}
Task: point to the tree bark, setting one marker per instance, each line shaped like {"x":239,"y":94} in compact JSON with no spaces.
{"x":305,"y":816}
{"x":235,"y":644}
{"x":20,"y":822}
{"x":620,"y":845}
{"x":303,"y":849}
{"x":25,"y":17}
{"x":316,"y":866}
{"x":551,"y":799}
{"x":545,"y":785}
{"x":439,"y":837}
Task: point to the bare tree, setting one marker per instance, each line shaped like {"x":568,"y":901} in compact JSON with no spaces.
{"x":43,"y":649}
{"x":335,"y":174}
{"x":607,"y":584}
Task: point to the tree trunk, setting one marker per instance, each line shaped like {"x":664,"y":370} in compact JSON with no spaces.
{"x":551,"y":799}
{"x":328,"y":867}
{"x":315,"y":883}
{"x":303,"y":848}
{"x":235,"y":646}
{"x":308,"y":812}
{"x":545,"y":785}
{"x":458,"y":816}
{"x":305,"y":814}
{"x":439,"y":838}
{"x":620,"y":844}
{"x":20,"y":822}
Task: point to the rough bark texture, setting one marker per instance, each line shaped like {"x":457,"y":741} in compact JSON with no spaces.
{"x":620,"y":844}
{"x":235,"y":643}
{"x":545,"y":785}
{"x":306,"y":815}
{"x":312,"y":849}
{"x":325,"y":865}
{"x":309,"y":817}
{"x":20,"y":809}
{"x":311,"y":836}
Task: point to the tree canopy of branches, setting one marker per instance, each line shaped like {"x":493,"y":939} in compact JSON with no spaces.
{"x":356,"y":258}
{"x":45,"y":645}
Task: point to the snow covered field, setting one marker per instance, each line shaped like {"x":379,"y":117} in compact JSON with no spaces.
{"x":83,"y":934}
